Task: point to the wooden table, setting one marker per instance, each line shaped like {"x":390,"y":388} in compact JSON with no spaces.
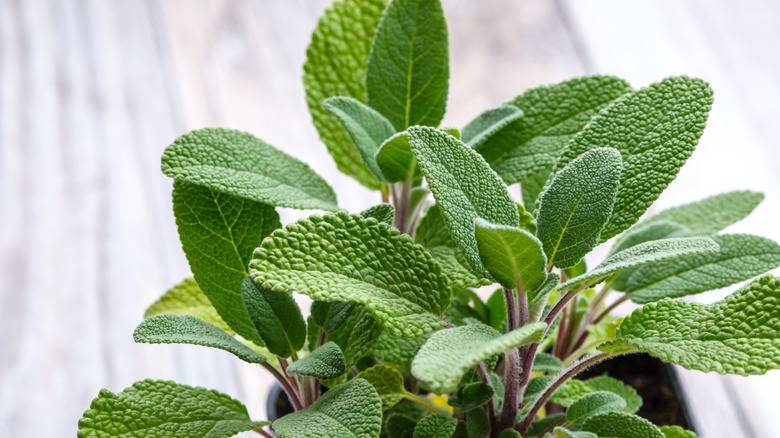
{"x":92,"y":91}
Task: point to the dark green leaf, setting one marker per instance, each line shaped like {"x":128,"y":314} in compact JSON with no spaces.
{"x":478,"y":133}
{"x":513,"y":256}
{"x":325,"y":362}
{"x":276,"y":317}
{"x":381,"y":212}
{"x":471,"y":396}
{"x":435,"y":426}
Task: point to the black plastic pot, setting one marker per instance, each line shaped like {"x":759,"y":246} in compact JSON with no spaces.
{"x":277,"y":405}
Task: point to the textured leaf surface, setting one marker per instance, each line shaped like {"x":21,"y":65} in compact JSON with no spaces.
{"x":395,"y":159}
{"x":448,"y":354}
{"x":593,"y":404}
{"x":497,"y":308}
{"x":219,"y":232}
{"x":677,"y":432}
{"x":242,"y":165}
{"x":477,"y":423}
{"x":331,"y":315}
{"x":577,"y":204}
{"x":738,"y":335}
{"x":435,"y":426}
{"x":552,"y":114}
{"x":409,"y":65}
{"x":464,"y":187}
{"x":186,"y":329}
{"x":186,"y":298}
{"x":366,"y":127}
{"x":342,"y":257}
{"x":513,"y":256}
{"x":626,"y":392}
{"x":655,"y":129}
{"x":621,"y":425}
{"x":163,"y":409}
{"x":532,"y":186}
{"x":471,"y":396}
{"x":336,"y":61}
{"x":357,"y":336}
{"x":741,"y":257}
{"x":325,"y":362}
{"x":381,"y":212}
{"x":547,"y":363}
{"x":397,"y":350}
{"x":387,"y":381}
{"x":644,"y":253}
{"x":564,"y":433}
{"x":276,"y":316}
{"x":478,"y":133}
{"x":350,"y":410}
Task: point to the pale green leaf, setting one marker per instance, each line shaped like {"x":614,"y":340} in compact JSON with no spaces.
{"x":536,"y":305}
{"x":513,"y":256}
{"x":527,"y":220}
{"x":547,"y":363}
{"x":381,"y":212}
{"x":388,"y":382}
{"x":164,"y":409}
{"x":540,"y":427}
{"x":626,"y":392}
{"x":595,"y":403}
{"x":435,"y":426}
{"x":737,"y":335}
{"x":342,"y":257}
{"x":336,"y":61}
{"x":397,"y":350}
{"x":325,"y":362}
{"x":186,"y":329}
{"x":448,"y":354}
{"x":357,"y":335}
{"x":478,"y":133}
{"x":464,"y":187}
{"x":621,"y":425}
{"x":577,"y":204}
{"x":186,"y":298}
{"x":242,"y":165}
{"x":350,"y":410}
{"x":677,"y":432}
{"x":276,"y":316}
{"x":571,"y":391}
{"x":565,"y":433}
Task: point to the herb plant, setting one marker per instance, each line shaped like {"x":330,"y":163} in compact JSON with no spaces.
{"x":398,"y":344}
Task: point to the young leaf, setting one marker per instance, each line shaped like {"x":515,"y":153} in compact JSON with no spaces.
{"x":626,"y":392}
{"x":325,"y":362}
{"x":655,"y":129}
{"x":577,"y":204}
{"x":380,"y":212}
{"x":677,"y":432}
{"x":593,"y":404}
{"x":218,"y":233}
{"x":644,"y":253}
{"x":479,"y":132}
{"x":388,"y":382}
{"x":366,"y":127}
{"x":409,"y":66}
{"x":621,"y":425}
{"x":331,"y":315}
{"x":471,"y":396}
{"x":276,"y":316}
{"x":448,"y":354}
{"x":395,"y":159}
{"x":352,"y":409}
{"x":357,"y":336}
{"x":654,"y":231}
{"x":564,"y":433}
{"x":397,"y":350}
{"x":435,"y":426}
{"x":336,"y":66}
{"x":737,"y":335}
{"x":400,"y":426}
{"x":540,"y":427}
{"x":497,"y":308}
{"x":513,"y":256}
{"x":343,"y":257}
{"x":186,"y":298}
{"x":547,"y":363}
{"x":510,"y":433}
{"x":242,"y":165}
{"x":186,"y":329}
{"x":464,"y":187}
{"x":741,"y":257}
{"x":163,"y":409}
{"x":477,"y":423}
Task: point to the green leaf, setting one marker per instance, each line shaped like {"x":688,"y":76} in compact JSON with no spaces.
{"x":510,"y":433}
{"x":478,"y":133}
{"x":352,"y":410}
{"x":564,"y":433}
{"x":577,"y":204}
{"x":325,"y":362}
{"x":366,"y":127}
{"x":547,"y":363}
{"x":409,"y":66}
{"x":656,"y":231}
{"x":677,"y":432}
{"x":435,"y":426}
{"x":527,"y":220}
{"x":276,"y":317}
{"x":513,"y":256}
{"x":242,"y":165}
{"x":380,"y":212}
{"x":536,"y":306}
{"x":477,"y":423}
{"x":343,"y":257}
{"x":397,"y":350}
{"x":497,"y":308}
{"x":464,"y":187}
{"x":568,"y":393}
{"x":395,"y":159}
{"x":740,"y":258}
{"x":357,"y":336}
{"x":539,"y":427}
{"x":460,"y":313}
{"x":218,"y":233}
{"x":471,"y":396}
{"x":532,"y":186}
{"x":331,"y":315}
{"x":629,"y":394}
{"x":186,"y":298}
{"x":335,"y":65}
{"x":644,"y":253}
{"x":388,"y":382}
{"x":593,"y":404}
{"x":400,"y":426}
{"x":552,"y":114}
{"x":163,"y":409}
{"x":735,"y":336}
{"x":448,"y":354}
{"x":186,"y":329}
{"x":621,"y":425}
{"x":655,"y":129}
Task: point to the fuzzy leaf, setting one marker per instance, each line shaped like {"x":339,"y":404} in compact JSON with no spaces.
{"x":471,"y":396}
{"x":395,"y":159}
{"x":464,"y":187}
{"x":497,"y":308}
{"x":435,"y":426}
{"x":741,"y":257}
{"x":626,"y":392}
{"x":242,"y":165}
{"x":186,"y":298}
{"x":388,"y":382}
{"x":381,"y":212}
{"x":218,"y":233}
{"x":409,"y":66}
{"x":564,"y":433}
{"x":163,"y":409}
{"x":325,"y":362}
{"x":357,"y":336}
{"x":644,"y":253}
{"x":350,"y":410}
{"x":513,"y":256}
{"x":738,"y":335}
{"x":448,"y":354}
{"x":654,"y":231}
{"x":510,"y":433}
{"x":335,"y":65}
{"x":342,"y":257}
{"x":276,"y":317}
{"x":540,"y":427}
{"x":677,"y":432}
{"x":655,"y":129}
{"x":577,"y":204}
{"x":547,"y":363}
{"x":397,"y":350}
{"x":621,"y":425}
{"x":477,"y":423}
{"x":593,"y":404}
{"x":186,"y":329}
{"x":366,"y":127}
{"x":478,"y":133}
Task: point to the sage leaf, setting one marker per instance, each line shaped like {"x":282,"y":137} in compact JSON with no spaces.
{"x":357,"y":336}
{"x":532,"y":186}
{"x":626,"y":392}
{"x":331,"y":315}
{"x":396,"y":350}
{"x":325,"y":362}
{"x":477,"y":423}
{"x":471,"y":396}
{"x":621,"y":425}
{"x":186,"y":298}
{"x":395,"y":159}
{"x":399,"y":426}
{"x":478,"y":132}
{"x":388,"y":382}
{"x":382,"y":212}
{"x":497,"y":308}
{"x":547,"y":363}
{"x":565,"y":433}
{"x":513,"y":256}
{"x":435,"y":426}
{"x":593,"y":404}
{"x":677,"y":432}
{"x":276,"y":317}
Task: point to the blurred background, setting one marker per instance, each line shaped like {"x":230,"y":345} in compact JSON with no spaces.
{"x":92,"y":91}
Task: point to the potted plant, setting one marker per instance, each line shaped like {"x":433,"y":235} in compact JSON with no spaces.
{"x":397,"y":343}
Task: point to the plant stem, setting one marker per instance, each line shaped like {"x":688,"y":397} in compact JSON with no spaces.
{"x":582,"y":350}
{"x":385,"y":192}
{"x":512,"y":385}
{"x":511,"y":310}
{"x":491,"y":406}
{"x":417,"y":399}
{"x":264,"y":433}
{"x":321,"y":337}
{"x":610,"y":308}
{"x":522,"y":307}
{"x":562,"y":329}
{"x":582,"y":334}
{"x":291,"y":394}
